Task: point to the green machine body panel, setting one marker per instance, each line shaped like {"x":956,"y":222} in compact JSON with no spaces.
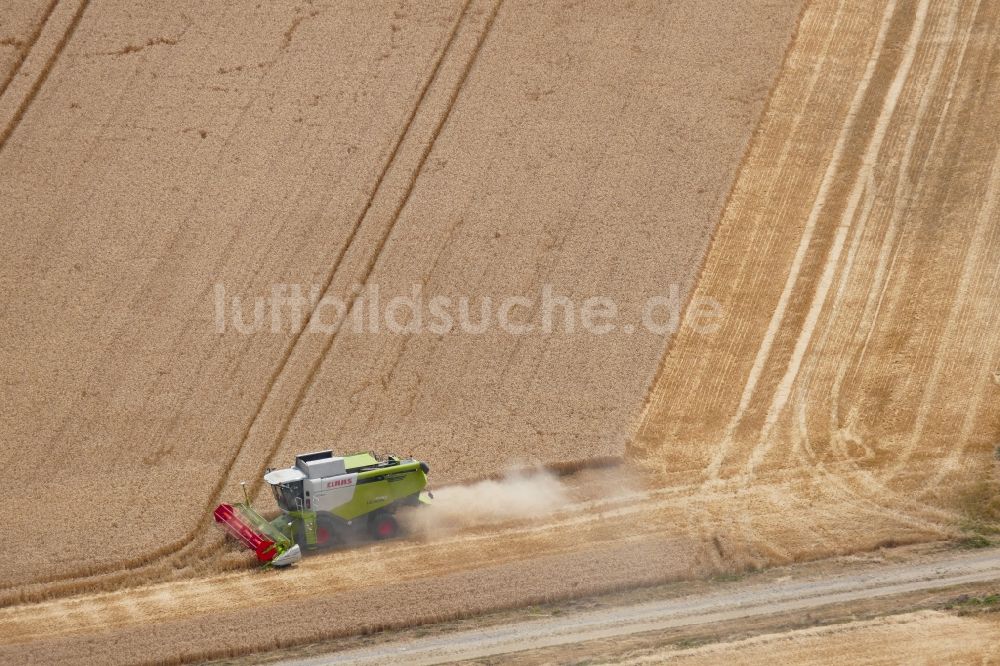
{"x":324,"y":498}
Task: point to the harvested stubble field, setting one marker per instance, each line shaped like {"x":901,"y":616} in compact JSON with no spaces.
{"x":924,"y":637}
{"x":490,"y":147}
{"x":849,"y":398}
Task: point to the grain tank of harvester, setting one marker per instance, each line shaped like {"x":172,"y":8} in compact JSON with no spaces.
{"x":326,"y":500}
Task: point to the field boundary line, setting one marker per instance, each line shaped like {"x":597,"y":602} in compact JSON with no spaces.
{"x":753,"y":143}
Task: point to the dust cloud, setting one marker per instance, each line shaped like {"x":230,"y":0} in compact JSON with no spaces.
{"x":518,"y":495}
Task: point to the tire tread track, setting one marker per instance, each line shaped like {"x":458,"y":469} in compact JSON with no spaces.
{"x":373,"y":259}
{"x":50,"y":63}
{"x":26,"y":50}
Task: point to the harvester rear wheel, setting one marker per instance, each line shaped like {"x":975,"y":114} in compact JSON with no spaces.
{"x":383,"y":525}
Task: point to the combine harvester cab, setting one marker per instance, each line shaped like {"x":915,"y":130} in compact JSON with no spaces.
{"x":328,"y":500}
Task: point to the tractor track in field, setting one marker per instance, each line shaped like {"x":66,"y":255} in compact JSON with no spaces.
{"x":373,"y":260}
{"x":14,"y":110}
{"x":369,"y":266}
{"x":30,"y":44}
{"x":345,"y":248}
{"x":862,"y":490}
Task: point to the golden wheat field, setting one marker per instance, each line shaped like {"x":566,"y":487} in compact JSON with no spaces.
{"x":823,"y":174}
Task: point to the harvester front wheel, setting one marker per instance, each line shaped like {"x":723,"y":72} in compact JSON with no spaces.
{"x":326,"y":534}
{"x":383,"y":525}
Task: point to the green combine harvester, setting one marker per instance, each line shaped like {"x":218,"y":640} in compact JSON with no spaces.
{"x":326,"y":500}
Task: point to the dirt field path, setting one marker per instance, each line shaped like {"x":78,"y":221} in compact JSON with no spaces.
{"x":733,"y":601}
